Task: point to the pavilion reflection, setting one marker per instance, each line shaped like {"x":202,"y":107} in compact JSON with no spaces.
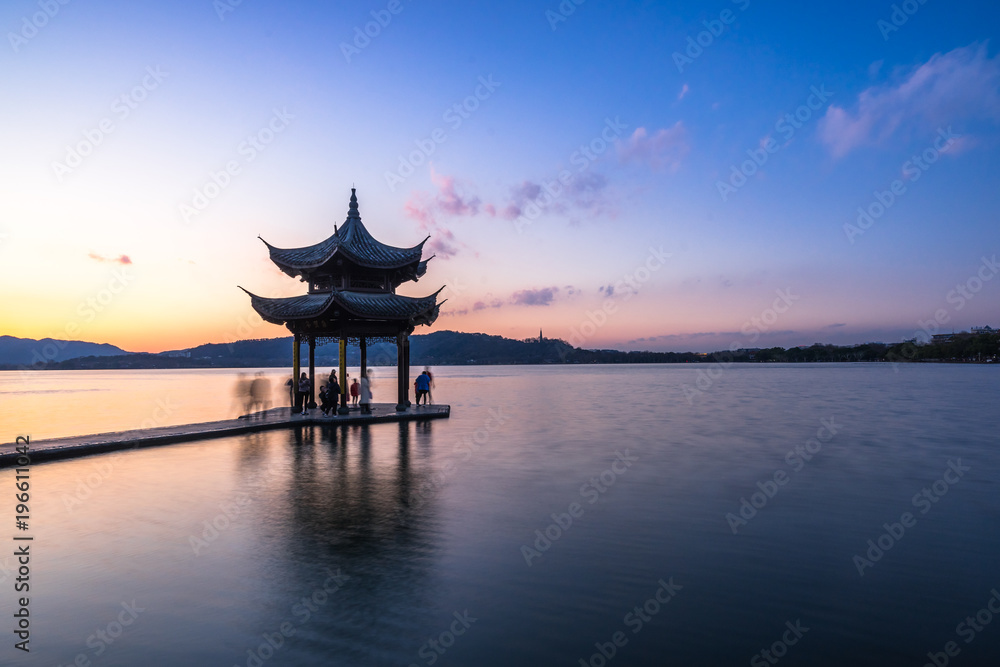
{"x":340,"y":503}
{"x":350,"y":487}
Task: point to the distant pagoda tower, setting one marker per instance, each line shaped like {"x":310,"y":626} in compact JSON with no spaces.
{"x":352,"y":297}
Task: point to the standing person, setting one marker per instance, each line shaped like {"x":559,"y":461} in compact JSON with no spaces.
{"x":302,"y":397}
{"x":366,"y":393}
{"x":259,"y":390}
{"x":423,"y":387}
{"x":291,"y":393}
{"x":241,"y":395}
{"x":332,"y":395}
{"x":355,"y":392}
{"x":430,"y":386}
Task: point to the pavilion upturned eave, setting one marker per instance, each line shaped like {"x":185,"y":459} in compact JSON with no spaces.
{"x":371,"y":307}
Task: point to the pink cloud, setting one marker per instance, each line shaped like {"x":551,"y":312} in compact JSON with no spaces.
{"x":963,"y":84}
{"x":442,"y":243}
{"x":684,"y":91}
{"x":448,"y":200}
{"x":665,"y":149}
{"x":121,"y":259}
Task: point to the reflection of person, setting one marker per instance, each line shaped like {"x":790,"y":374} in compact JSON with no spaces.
{"x":366,"y":393}
{"x":302,"y":396}
{"x":423,"y":384}
{"x":291,"y":392}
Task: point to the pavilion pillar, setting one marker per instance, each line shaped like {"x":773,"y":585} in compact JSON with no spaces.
{"x":406,"y":364}
{"x":342,"y":357}
{"x":312,"y":372}
{"x":296,"y":365}
{"x":401,"y":374}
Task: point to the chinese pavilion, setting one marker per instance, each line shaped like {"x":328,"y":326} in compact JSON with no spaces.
{"x":352,"y":281}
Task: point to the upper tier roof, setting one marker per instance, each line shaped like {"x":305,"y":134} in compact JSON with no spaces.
{"x":355,"y":243}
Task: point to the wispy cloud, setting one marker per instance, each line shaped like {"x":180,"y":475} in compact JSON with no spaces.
{"x":663,"y":149}
{"x":961,"y":85}
{"x":535,"y":297}
{"x":121,"y":259}
{"x":447,"y":201}
{"x":488,"y":303}
{"x":684,"y":92}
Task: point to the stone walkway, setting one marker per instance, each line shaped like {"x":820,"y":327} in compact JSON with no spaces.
{"x":61,"y":448}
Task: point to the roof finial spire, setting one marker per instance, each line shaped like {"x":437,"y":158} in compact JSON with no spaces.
{"x":353,"y":210}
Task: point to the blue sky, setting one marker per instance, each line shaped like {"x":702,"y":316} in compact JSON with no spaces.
{"x":451,"y":119}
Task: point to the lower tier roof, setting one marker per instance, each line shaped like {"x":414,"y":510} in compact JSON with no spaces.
{"x":348,"y":305}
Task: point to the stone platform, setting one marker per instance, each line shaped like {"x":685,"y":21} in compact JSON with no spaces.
{"x":61,"y":448}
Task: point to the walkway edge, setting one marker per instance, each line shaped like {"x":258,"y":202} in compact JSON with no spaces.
{"x":71,"y":447}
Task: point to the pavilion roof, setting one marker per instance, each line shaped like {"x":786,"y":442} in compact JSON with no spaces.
{"x":354,"y":242}
{"x":360,"y":305}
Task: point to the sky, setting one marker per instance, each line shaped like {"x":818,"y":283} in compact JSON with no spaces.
{"x":643,"y":175}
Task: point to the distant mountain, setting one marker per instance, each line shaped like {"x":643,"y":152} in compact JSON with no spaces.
{"x":441,"y":348}
{"x":451,"y":348}
{"x":27,"y":351}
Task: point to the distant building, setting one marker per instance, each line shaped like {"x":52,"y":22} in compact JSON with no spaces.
{"x":963,"y":335}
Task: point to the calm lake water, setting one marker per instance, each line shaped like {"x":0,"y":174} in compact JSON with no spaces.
{"x":562,"y":516}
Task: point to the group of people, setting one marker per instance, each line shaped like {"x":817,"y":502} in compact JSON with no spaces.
{"x":330,"y":393}
{"x":252,"y":397}
{"x":422,"y":387}
{"x":360,"y":392}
